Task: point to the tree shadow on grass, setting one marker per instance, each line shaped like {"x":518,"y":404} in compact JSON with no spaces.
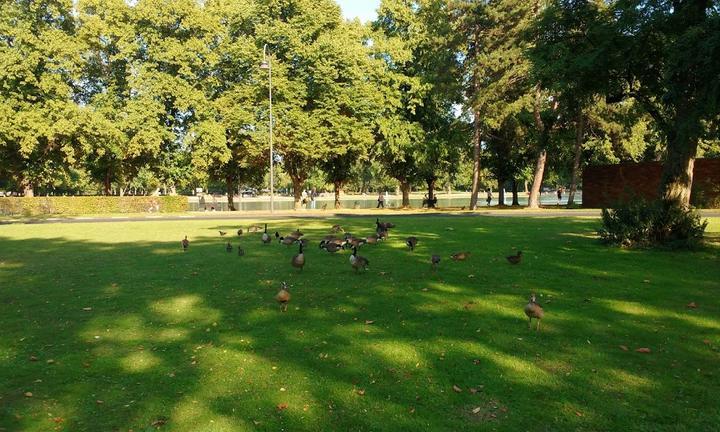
{"x":194,"y":340}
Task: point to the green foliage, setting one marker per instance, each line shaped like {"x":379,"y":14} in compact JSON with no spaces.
{"x":83,"y":205}
{"x":638,"y":223}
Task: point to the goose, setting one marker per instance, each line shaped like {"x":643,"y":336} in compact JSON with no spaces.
{"x":240,"y":232}
{"x":460,"y":256}
{"x":228,"y":247}
{"x":266,"y":237}
{"x":297,"y":234}
{"x":298,"y":261}
{"x":372,"y":239}
{"x":185,"y":243}
{"x":358,"y":262}
{"x":534,"y":310}
{"x":330,"y":247}
{"x":435,"y":261}
{"x":411,"y":242}
{"x":515,"y":259}
{"x":255,"y":228}
{"x":222,"y":233}
{"x":283,"y":296}
{"x":241,"y":251}
{"x":337,"y":228}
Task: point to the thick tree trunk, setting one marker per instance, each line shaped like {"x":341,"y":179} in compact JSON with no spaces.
{"x":501,"y":193}
{"x":405,"y":189}
{"x":477,"y":141}
{"x":579,"y":135}
{"x":230,"y":187}
{"x":677,"y":177}
{"x":297,"y":192}
{"x":431,"y":191}
{"x":338,"y":190}
{"x":535,"y":189}
{"x":515,"y":200}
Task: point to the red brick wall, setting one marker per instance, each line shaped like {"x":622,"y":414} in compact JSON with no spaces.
{"x":604,"y":186}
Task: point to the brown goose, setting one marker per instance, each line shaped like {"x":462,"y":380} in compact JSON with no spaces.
{"x":330,"y":246}
{"x":515,"y":259}
{"x":435,"y":261}
{"x":297,"y":234}
{"x":222,"y":233}
{"x":372,"y":239}
{"x":241,"y":251}
{"x":460,"y":256}
{"x":298,"y":261}
{"x":337,"y":228}
{"x":228,"y":248}
{"x":288,"y":241}
{"x":358,"y":262}
{"x":534,"y":310}
{"x":266,"y":237}
{"x":255,"y":228}
{"x":411,"y":242}
{"x":240,"y":232}
{"x":185,"y":243}
{"x":283,"y":296}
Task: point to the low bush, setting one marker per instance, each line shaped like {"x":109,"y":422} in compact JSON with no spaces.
{"x":39,"y":206}
{"x":640,"y":223}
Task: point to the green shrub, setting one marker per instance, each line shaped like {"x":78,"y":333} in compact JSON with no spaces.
{"x":39,"y":206}
{"x":639,"y":223}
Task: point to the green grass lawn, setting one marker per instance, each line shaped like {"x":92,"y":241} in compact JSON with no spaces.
{"x":112,"y":327}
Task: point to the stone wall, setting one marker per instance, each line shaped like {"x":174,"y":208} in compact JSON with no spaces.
{"x":606,"y":185}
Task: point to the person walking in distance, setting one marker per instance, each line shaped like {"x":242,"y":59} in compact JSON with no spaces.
{"x":559,"y":194}
{"x":489,"y":197}
{"x":381,"y":200}
{"x":313,"y":197}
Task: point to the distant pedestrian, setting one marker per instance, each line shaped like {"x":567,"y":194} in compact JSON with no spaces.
{"x":489,"y":197}
{"x":304,"y":198}
{"x":313,"y":196}
{"x":381,"y":200}
{"x":559,"y":194}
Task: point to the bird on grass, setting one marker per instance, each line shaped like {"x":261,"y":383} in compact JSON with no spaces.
{"x":358,"y":262}
{"x":240,"y":232}
{"x":411,"y":242}
{"x":241,"y":251}
{"x":515,"y":259}
{"x":185,"y":243}
{"x":297,"y":234}
{"x":373,"y":239}
{"x":383,"y":225}
{"x":534,"y":310}
{"x":283,"y":296}
{"x":222,"y":233}
{"x":337,"y":228}
{"x":460,"y":256}
{"x":266,"y":237}
{"x":287,"y":241}
{"x":228,"y":248}
{"x":435,"y":261}
{"x":255,"y":228}
{"x":330,"y":246}
{"x":298,"y":261}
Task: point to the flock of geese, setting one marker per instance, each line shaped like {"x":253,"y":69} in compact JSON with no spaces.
{"x":334,"y":243}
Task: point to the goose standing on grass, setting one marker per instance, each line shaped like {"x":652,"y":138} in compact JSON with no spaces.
{"x":266,"y":236}
{"x":222,"y":233}
{"x":534,"y":310}
{"x":297,"y":234}
{"x":239,"y":232}
{"x":298,"y":261}
{"x":515,"y":259}
{"x":241,"y":251}
{"x":411,"y":242}
{"x":185,"y":243}
{"x":358,"y":262}
{"x":228,"y":248}
{"x":283,"y":296}
{"x":435,"y":261}
{"x":460,"y":256}
{"x":372,"y":239}
{"x":330,"y":246}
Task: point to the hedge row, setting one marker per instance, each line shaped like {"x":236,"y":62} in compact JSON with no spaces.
{"x":58,"y":205}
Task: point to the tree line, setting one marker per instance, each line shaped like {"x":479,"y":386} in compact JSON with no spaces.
{"x":101,"y":95}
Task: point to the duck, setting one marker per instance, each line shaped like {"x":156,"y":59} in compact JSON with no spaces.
{"x":266,"y":237}
{"x":411,"y":242}
{"x":434,"y":262}
{"x":460,"y":256}
{"x":241,"y":251}
{"x":240,"y":232}
{"x":515,"y":259}
{"x":228,"y":248}
{"x":534,"y":310}
{"x":358,"y":262}
{"x":283,"y":296}
{"x":222,"y":233}
{"x":298,"y":261}
{"x":185,"y":244}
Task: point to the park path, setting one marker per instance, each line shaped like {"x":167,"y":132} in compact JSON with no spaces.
{"x":320,"y":214}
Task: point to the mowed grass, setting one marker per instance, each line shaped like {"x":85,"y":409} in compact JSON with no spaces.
{"x":112,"y":327}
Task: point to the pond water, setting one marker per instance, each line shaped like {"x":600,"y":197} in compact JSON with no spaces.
{"x":360,"y":202}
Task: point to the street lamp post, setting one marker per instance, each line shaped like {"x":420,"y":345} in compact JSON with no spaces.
{"x":267,"y":64}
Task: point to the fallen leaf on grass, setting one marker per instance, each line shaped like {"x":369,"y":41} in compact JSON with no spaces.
{"x":51,"y":361}
{"x":706,"y":341}
{"x":643,"y":350}
{"x":87,"y":309}
{"x":476,"y":410}
{"x":283,"y":406}
{"x":361,"y":392}
{"x":578,"y":413}
{"x":368,"y":322}
{"x":623,"y":347}
{"x":692,"y":305}
{"x":99,"y":402}
{"x":58,"y":420}
{"x":473,"y":390}
{"x":457,"y":389}
{"x":159,"y":422}
{"x":33,"y":358}
{"x":28,"y":394}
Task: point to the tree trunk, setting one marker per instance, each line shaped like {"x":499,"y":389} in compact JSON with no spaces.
{"x":431,"y":191}
{"x":476,"y":163}
{"x":405,"y":188}
{"x":534,"y":199}
{"x":338,"y":189}
{"x":501,"y":193}
{"x":677,"y":176}
{"x":515,"y":200}
{"x":230,"y":187}
{"x":579,"y":134}
{"x":297,"y":192}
